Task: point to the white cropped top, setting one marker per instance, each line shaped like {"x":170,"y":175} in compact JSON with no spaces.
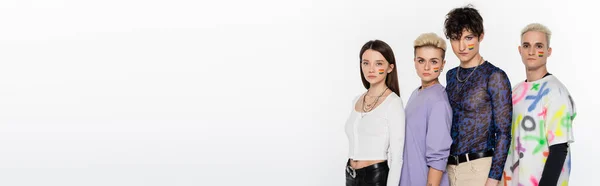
{"x":379,"y":135}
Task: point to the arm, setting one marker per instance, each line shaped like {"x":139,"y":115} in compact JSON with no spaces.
{"x":396,"y":122}
{"x":500,"y":93}
{"x":554,"y":164}
{"x":438,"y":141}
{"x":559,"y":117}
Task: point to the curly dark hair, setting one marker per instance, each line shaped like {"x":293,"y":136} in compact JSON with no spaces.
{"x":462,"y":18}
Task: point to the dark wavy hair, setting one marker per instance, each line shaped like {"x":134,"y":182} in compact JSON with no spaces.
{"x":391,"y":79}
{"x":462,"y":18}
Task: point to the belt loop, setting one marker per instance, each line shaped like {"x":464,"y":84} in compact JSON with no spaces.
{"x":467,"y":156}
{"x":456,"y":159}
{"x":353,"y":173}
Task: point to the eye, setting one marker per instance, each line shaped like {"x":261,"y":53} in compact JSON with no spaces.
{"x":539,"y":46}
{"x":468,"y":38}
{"x":420,"y":60}
{"x":434,"y":62}
{"x":379,"y":64}
{"x":525,"y":46}
{"x":365,"y":63}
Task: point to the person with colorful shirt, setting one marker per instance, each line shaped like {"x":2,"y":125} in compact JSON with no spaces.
{"x":428,"y":118}
{"x":481,"y":100}
{"x":543,"y":112}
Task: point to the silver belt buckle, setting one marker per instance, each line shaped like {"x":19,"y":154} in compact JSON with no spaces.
{"x":351,"y":171}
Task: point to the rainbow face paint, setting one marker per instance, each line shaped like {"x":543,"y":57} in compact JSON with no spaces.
{"x":381,"y":71}
{"x":436,"y":69}
{"x":471,"y":46}
{"x":540,"y":53}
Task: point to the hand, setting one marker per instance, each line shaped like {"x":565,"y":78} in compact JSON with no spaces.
{"x":491,"y":182}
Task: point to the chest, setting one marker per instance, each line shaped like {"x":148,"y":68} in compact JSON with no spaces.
{"x":469,"y":96}
{"x":530,"y":111}
{"x":371,"y":124}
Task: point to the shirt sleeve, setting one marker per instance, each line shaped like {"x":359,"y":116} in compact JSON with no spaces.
{"x":396,"y":123}
{"x":560,"y":113}
{"x":438,"y":139}
{"x":554,"y":164}
{"x":500,"y":93}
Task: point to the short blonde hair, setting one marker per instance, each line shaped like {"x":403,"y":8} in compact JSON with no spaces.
{"x":430,"y":40}
{"x":537,"y":27}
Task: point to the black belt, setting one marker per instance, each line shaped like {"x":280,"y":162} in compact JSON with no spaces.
{"x":353,"y":172}
{"x":455,"y":160}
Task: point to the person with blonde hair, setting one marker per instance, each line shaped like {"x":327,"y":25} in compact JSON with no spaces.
{"x":544,"y":111}
{"x":428,"y":118}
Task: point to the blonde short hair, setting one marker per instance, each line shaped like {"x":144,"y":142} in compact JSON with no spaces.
{"x":537,"y":27}
{"x":430,"y":40}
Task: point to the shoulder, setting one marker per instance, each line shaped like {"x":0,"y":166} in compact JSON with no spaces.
{"x":451,"y":71}
{"x":357,"y":97}
{"x":493,"y":69}
{"x":520,"y":84}
{"x":556,"y":88}
{"x":395,"y":100}
{"x":437,"y":94}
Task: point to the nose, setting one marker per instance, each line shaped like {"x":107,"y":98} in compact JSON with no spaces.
{"x":427,"y":66}
{"x":531,"y":51}
{"x":371,"y":68}
{"x":462,"y":46}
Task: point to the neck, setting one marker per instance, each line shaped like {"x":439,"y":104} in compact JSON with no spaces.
{"x":473,"y":62}
{"x":536,"y":74}
{"x":425,"y":84}
{"x":377,"y":88}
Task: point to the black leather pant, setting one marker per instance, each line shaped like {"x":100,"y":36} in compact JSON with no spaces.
{"x":372,"y":175}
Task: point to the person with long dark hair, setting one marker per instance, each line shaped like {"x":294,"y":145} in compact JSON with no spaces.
{"x":375,"y":128}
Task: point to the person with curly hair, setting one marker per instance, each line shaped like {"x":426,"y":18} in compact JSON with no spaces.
{"x":481,"y":99}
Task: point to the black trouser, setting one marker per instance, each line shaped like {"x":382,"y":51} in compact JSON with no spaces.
{"x":372,"y":175}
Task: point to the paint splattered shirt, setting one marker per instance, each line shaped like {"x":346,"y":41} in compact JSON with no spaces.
{"x":481,"y":113}
{"x":543,"y":112}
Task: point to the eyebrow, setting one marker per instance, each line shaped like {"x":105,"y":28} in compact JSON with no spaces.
{"x":379,"y":60}
{"x":429,"y":59}
{"x":538,"y":43}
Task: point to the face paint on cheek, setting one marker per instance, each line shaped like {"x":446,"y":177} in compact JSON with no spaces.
{"x":471,"y":46}
{"x":540,"y":53}
{"x":436,"y":69}
{"x":381,"y":71}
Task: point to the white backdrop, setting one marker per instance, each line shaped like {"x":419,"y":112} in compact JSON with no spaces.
{"x":148,"y":93}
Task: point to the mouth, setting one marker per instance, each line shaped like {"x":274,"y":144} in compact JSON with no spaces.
{"x":371,"y":77}
{"x":426,"y":74}
{"x":531,"y":59}
{"x":463,"y":53}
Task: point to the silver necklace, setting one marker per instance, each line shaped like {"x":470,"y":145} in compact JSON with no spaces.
{"x":465,"y":80}
{"x":458,"y":70}
{"x":368,"y":107}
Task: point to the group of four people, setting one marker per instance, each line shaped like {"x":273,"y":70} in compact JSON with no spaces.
{"x":474,"y":131}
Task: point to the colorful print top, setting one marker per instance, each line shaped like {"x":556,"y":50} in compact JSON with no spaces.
{"x":543,"y":112}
